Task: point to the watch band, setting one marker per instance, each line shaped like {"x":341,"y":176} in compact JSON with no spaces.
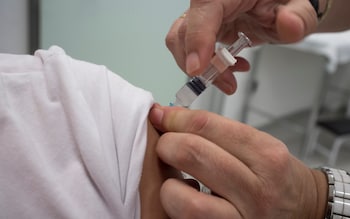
{"x":338,"y":193}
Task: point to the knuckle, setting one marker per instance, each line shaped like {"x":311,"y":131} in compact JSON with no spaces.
{"x":188,"y":151}
{"x":280,"y":157}
{"x":199,"y":122}
{"x":180,"y":149}
{"x":164,"y":140}
{"x":175,"y":37}
{"x":194,"y":208}
{"x":275,"y":152}
{"x":182,"y":30}
{"x":170,"y":40}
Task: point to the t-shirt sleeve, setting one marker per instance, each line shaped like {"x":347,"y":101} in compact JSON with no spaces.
{"x":120,"y":111}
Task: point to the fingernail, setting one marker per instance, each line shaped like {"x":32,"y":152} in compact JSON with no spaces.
{"x":192,"y":63}
{"x":157,"y":115}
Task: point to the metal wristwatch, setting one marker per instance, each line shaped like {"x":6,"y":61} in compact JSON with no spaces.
{"x":338,"y":193}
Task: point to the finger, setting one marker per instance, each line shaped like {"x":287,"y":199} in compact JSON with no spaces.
{"x":175,"y":40}
{"x":208,"y":125}
{"x":241,"y":65}
{"x":228,"y":152}
{"x":240,"y":140}
{"x":206,"y":161}
{"x":204,"y":21}
{"x":181,"y":202}
{"x":295,"y":20}
{"x":226,"y":81}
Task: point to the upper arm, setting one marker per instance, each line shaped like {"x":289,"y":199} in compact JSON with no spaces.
{"x":154,"y":173}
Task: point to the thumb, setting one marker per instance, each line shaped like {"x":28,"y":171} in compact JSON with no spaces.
{"x":295,"y":20}
{"x":157,"y":114}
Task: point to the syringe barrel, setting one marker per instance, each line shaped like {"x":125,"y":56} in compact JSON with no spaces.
{"x":209,"y":75}
{"x":219,"y":63}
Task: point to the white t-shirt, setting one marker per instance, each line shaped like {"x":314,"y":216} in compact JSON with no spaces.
{"x":72,"y":138}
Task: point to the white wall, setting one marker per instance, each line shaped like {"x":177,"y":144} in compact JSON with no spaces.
{"x":13,"y":26}
{"x":128,"y":36}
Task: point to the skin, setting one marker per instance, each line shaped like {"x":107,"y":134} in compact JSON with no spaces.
{"x":252,"y":174}
{"x":154,"y":173}
{"x":338,"y":17}
{"x":243,"y":166}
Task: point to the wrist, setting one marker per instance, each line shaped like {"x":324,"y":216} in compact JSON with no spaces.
{"x":321,"y":189}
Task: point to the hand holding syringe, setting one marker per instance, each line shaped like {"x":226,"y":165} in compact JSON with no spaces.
{"x":223,"y":58}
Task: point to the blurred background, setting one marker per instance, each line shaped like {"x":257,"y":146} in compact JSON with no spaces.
{"x":288,"y":91}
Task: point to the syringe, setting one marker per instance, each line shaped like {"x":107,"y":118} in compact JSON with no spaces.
{"x":224,"y":57}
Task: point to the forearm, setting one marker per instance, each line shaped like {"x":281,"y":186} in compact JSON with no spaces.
{"x":337,"y":18}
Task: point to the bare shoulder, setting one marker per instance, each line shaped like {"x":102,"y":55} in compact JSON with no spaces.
{"x":154,"y":173}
